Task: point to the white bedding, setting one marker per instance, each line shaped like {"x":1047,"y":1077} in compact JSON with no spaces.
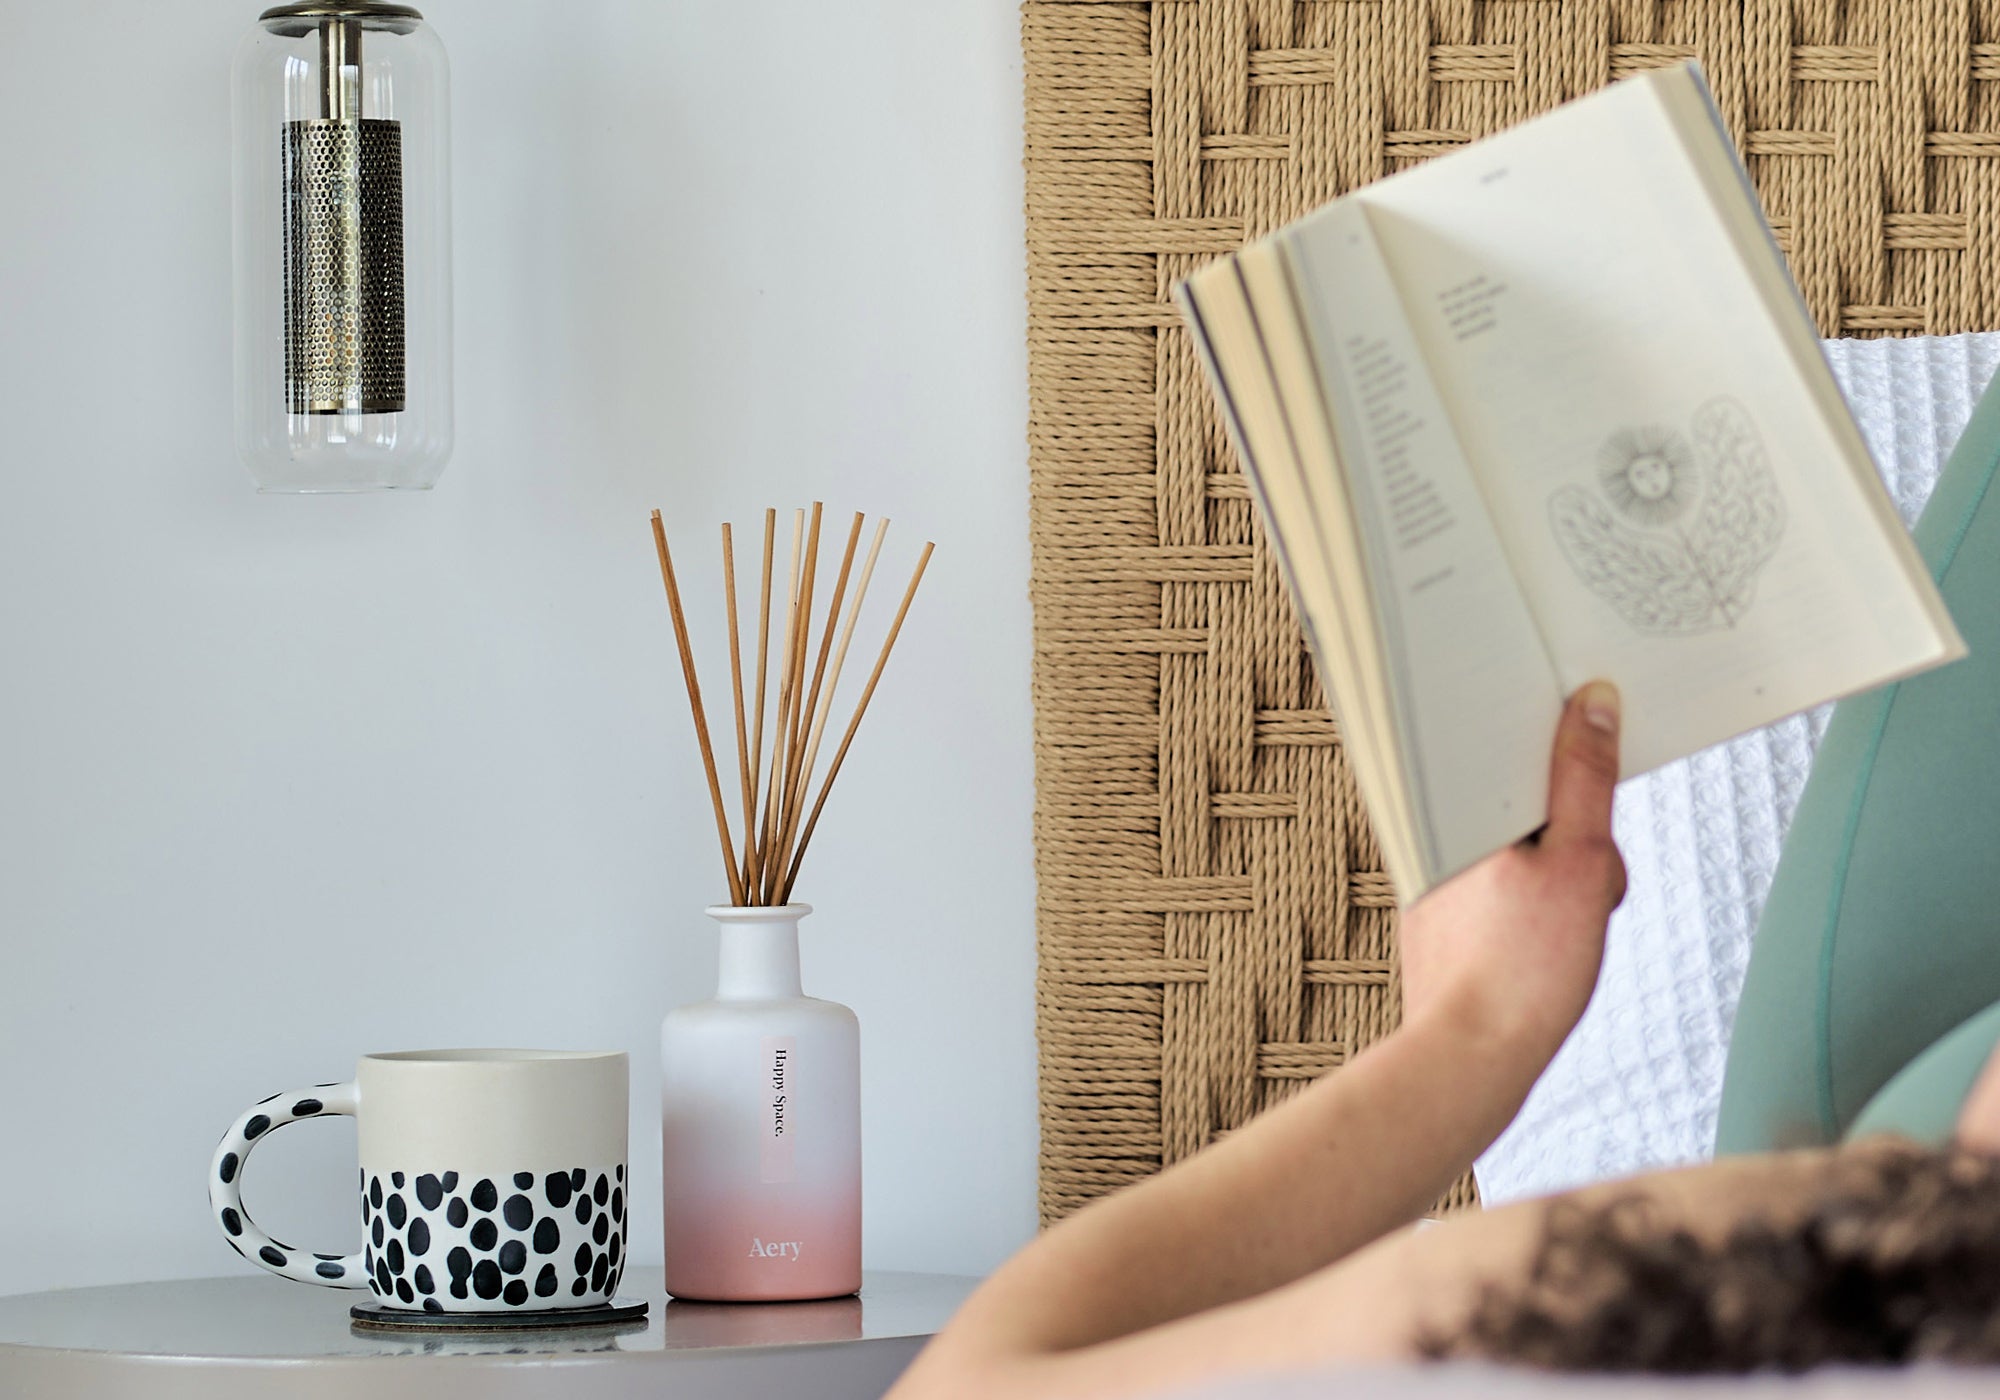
{"x":1638,"y":1083}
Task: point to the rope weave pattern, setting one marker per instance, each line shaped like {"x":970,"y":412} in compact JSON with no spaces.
{"x":1214,"y":926}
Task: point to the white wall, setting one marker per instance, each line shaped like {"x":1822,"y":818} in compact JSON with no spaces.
{"x":283,"y":780}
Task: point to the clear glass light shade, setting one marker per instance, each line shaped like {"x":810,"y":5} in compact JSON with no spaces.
{"x":342,"y":249}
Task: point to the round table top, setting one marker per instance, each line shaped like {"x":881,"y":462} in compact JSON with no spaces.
{"x":249,"y":1324}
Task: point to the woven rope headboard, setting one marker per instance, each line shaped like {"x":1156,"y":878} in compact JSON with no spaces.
{"x":1214,"y":926}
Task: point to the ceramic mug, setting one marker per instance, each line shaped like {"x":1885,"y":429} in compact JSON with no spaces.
{"x":491,"y":1180}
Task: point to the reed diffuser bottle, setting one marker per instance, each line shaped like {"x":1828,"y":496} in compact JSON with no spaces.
{"x":760,"y":1106}
{"x":760,"y":1120}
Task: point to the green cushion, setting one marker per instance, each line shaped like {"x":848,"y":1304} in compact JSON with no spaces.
{"x":1882,"y":931}
{"x":1922,"y":1101}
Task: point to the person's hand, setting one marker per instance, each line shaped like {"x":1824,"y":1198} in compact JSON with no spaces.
{"x":1979,"y":1116}
{"x":1511,"y":947}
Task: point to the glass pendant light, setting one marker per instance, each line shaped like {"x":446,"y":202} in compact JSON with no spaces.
{"x":343,"y":249}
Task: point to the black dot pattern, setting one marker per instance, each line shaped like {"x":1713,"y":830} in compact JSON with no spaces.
{"x":224,"y":1192}
{"x":509,"y":1240}
{"x":428,"y":1246}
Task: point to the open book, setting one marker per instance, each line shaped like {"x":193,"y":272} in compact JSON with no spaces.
{"x":1547,"y":409}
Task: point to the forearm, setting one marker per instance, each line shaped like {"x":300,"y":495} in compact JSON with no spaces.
{"x":1498,"y":964}
{"x":1358,"y":1154}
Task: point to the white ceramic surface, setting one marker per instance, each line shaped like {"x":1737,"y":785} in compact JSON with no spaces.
{"x":491,"y":1180}
{"x":760,"y":1115}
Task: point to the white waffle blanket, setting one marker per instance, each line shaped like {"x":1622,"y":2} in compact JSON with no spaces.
{"x":1638,"y":1083}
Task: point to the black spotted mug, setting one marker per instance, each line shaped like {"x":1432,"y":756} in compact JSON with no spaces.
{"x":491,"y":1180}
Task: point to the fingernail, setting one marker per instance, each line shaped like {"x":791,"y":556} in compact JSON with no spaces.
{"x":1600,"y":707}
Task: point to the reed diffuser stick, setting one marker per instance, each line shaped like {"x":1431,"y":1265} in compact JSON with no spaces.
{"x":694,"y":703}
{"x":846,"y":637}
{"x":806,"y":590}
{"x":769,"y":830}
{"x":736,"y":684}
{"x":753,"y":852}
{"x":777,"y":767}
{"x":847,"y":739}
{"x":803,"y":769}
{"x":832,"y":687}
{"x":784,"y":751}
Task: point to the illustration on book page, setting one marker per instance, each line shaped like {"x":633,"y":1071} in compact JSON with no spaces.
{"x":1675,"y":533}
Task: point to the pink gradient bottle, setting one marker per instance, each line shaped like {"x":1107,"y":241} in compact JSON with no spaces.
{"x":760,"y":1119}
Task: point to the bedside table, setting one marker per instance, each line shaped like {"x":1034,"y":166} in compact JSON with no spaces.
{"x":260,"y":1338}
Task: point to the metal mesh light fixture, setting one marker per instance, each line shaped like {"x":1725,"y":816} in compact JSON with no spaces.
{"x":343,"y":235}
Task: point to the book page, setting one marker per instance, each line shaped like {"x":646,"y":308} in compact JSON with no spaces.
{"x":1360,"y":699}
{"x":1315,"y":549}
{"x":1683,"y":516}
{"x":1475,"y":693}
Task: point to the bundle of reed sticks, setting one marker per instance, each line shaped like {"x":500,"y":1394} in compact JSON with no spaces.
{"x":777,"y":823}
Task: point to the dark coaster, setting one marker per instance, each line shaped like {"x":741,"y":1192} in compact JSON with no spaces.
{"x":374,"y":1317}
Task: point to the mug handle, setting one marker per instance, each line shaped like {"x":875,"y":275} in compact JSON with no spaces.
{"x":225,"y":1188}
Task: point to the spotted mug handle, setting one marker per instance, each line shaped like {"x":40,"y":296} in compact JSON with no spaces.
{"x":225,"y":1188}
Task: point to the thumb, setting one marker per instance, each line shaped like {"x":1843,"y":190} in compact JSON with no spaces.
{"x":1584,"y":769}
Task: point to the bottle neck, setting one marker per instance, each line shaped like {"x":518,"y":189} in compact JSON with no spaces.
{"x":758,"y":958}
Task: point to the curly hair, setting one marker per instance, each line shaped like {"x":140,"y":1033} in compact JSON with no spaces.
{"x":1895,"y":1260}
